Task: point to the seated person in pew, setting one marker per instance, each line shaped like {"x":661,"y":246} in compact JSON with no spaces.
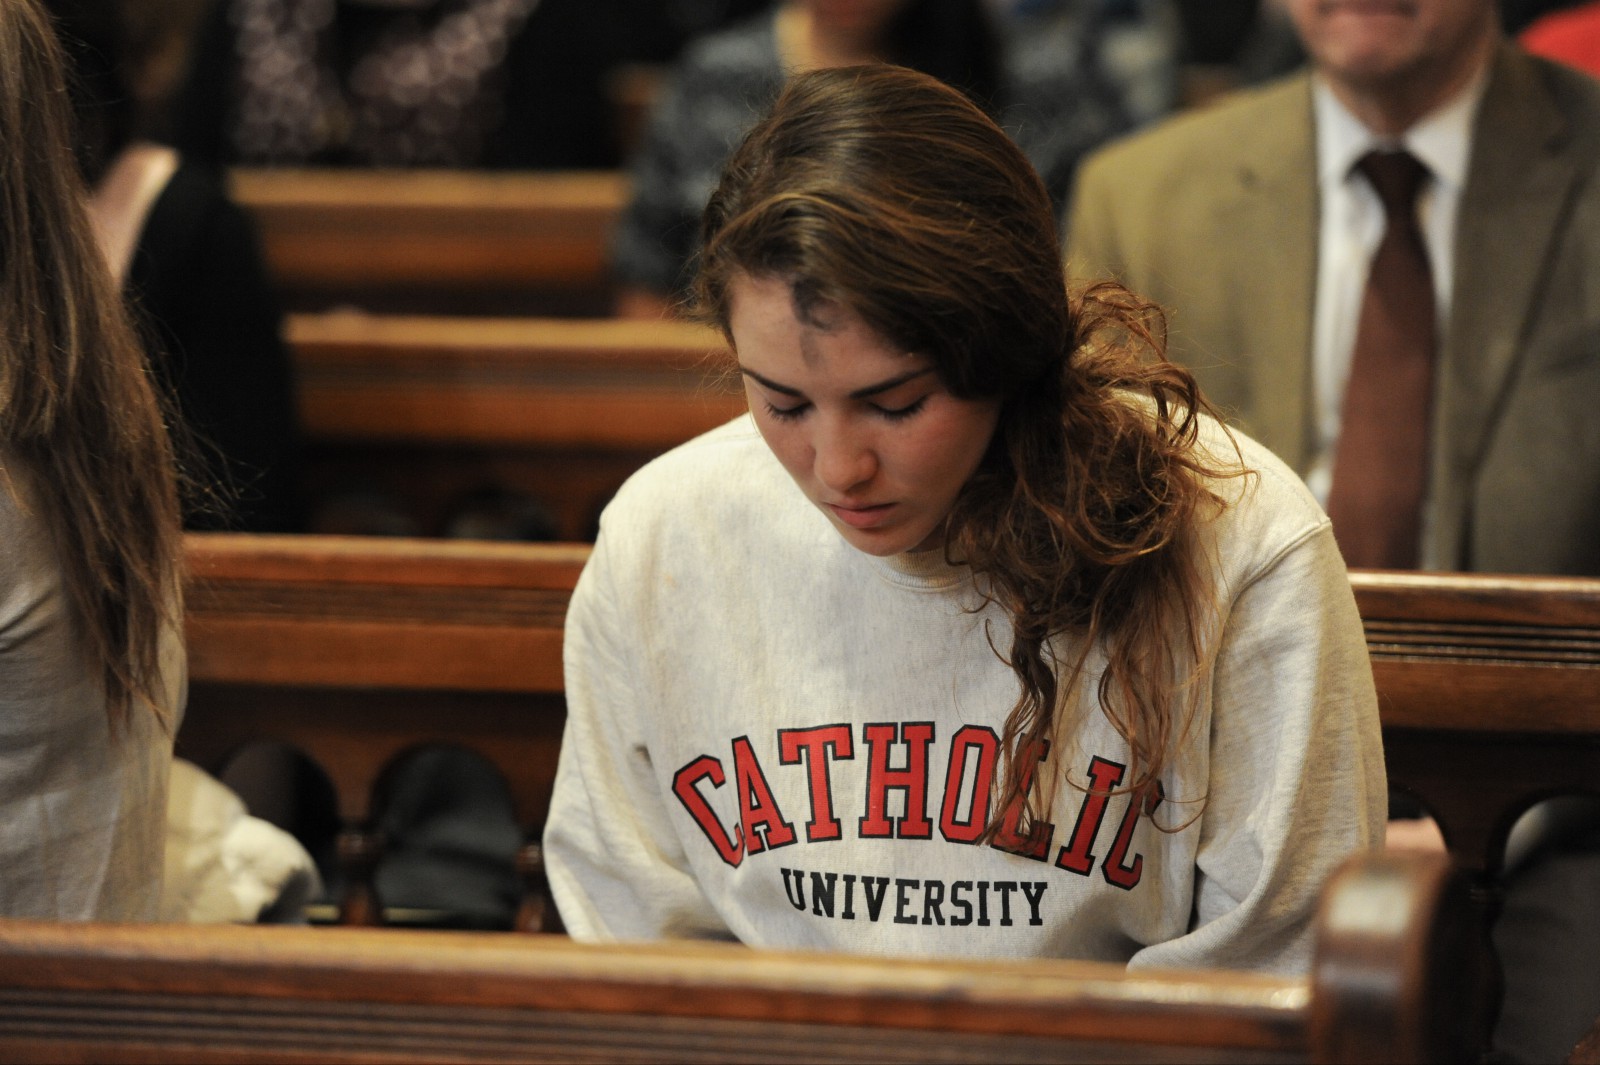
{"x":1049,"y":77}
{"x":401,"y":83}
{"x":189,"y":261}
{"x":1570,"y":36}
{"x":978,"y":636}
{"x":1382,"y":267}
{"x":92,"y":675}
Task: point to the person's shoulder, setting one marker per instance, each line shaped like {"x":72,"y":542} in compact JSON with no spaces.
{"x":1206,"y":135}
{"x":1267,"y":508}
{"x":1535,"y":109}
{"x":194,"y":198}
{"x":719,"y":504}
{"x":1574,"y":92}
{"x":697,"y":477}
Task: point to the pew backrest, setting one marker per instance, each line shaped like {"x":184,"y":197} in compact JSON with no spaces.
{"x":445,"y":241}
{"x":206,"y":993}
{"x":429,"y":408}
{"x":1489,"y":689}
{"x":602,"y":383}
{"x":360,"y":649}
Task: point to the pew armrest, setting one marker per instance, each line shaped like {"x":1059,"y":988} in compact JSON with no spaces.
{"x":1403,"y":969}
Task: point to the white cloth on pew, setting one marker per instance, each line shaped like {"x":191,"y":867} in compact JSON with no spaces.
{"x":723,"y":632}
{"x":223,"y":865}
{"x":82,"y":807}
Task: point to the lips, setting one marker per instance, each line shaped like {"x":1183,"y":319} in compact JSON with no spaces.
{"x":861,"y":517}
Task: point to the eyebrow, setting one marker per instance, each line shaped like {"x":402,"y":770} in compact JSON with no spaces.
{"x":860,"y":393}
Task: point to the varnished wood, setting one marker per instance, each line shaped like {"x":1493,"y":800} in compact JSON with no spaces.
{"x":358,"y":650}
{"x":128,"y":993}
{"x":605,"y":383}
{"x":1410,"y":979}
{"x":437,"y":240}
{"x":1480,"y":636}
{"x":455,"y":642}
{"x":427,"y":409}
{"x":1489,"y":689}
{"x":345,"y":612}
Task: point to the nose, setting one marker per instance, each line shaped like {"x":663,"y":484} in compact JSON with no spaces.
{"x":844,"y":458}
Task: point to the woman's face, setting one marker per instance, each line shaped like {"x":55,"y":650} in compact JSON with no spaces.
{"x":870,"y":434}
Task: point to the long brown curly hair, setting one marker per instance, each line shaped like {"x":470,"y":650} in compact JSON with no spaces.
{"x":881,"y":190}
{"x":77,"y":407}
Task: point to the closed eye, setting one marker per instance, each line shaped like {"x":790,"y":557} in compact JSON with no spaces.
{"x":787,"y":413}
{"x":895,"y":414}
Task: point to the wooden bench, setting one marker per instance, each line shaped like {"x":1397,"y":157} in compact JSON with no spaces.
{"x":1488,"y":686}
{"x":357,"y":650}
{"x":427,"y":410}
{"x":1489,"y":689}
{"x":437,"y":241}
{"x":1386,"y":983}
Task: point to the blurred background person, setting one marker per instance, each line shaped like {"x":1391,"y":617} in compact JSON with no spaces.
{"x":403,"y":83}
{"x":1042,"y":72}
{"x":190,"y":263}
{"x":1570,"y":36}
{"x":1381,"y":268}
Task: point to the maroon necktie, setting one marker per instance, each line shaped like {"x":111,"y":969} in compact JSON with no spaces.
{"x":1380,"y":471}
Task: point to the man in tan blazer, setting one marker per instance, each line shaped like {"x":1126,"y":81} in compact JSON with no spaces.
{"x":1247,"y":223}
{"x":1220,"y":217}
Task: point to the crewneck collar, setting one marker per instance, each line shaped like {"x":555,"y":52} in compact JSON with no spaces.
{"x":925,"y":570}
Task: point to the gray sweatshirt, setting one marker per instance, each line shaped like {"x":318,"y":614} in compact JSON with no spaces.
{"x":775,"y":738}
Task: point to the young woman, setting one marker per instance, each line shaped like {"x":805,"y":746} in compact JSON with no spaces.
{"x":978,"y":636}
{"x":91,"y":669}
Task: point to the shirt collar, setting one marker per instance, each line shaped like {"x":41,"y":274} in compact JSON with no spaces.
{"x":1441,"y":139}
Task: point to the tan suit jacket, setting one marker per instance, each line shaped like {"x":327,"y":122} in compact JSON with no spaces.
{"x":1214,"y":215}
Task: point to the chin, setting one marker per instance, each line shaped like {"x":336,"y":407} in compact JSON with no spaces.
{"x":881,"y":544}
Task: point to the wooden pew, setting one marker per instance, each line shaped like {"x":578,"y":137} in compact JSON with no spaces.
{"x":1489,"y":689}
{"x":427,"y":409}
{"x":1384,"y":986}
{"x":437,"y":241}
{"x":357,"y":650}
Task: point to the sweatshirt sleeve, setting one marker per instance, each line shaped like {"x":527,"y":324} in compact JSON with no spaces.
{"x":1296,"y":780}
{"x":616,"y":866}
